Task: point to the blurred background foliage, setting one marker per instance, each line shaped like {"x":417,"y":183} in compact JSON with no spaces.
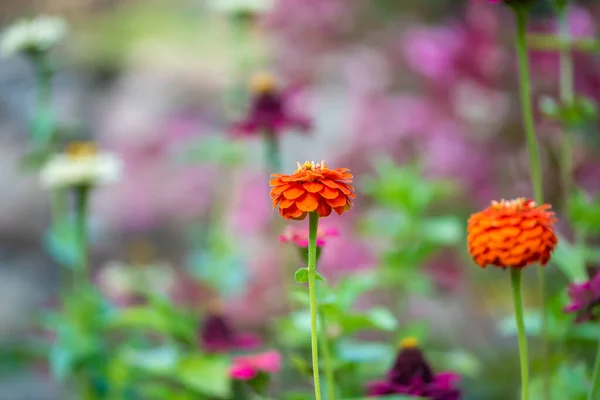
{"x":418,"y":98}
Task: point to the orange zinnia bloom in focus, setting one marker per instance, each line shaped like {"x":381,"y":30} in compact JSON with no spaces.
{"x":512,"y":233}
{"x":312,"y":187}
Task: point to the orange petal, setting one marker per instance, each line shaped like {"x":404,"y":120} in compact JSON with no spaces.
{"x":330,"y":183}
{"x":286,"y":203}
{"x":339,"y":201}
{"x":309,"y":202}
{"x":324,"y":209}
{"x":294,"y":192}
{"x":313,"y":187}
{"x":329,"y":193}
{"x":279,"y":189}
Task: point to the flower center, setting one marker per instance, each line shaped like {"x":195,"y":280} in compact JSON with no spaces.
{"x":79,"y":150}
{"x":409,"y":343}
{"x":516,"y":205}
{"x":262,"y":83}
{"x":311,"y":166}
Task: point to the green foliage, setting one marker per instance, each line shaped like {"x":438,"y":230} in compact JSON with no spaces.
{"x":561,"y":326}
{"x":583,"y":211}
{"x":578,"y":115}
{"x":301,"y":275}
{"x":569,"y":381}
{"x":61,"y":243}
{"x":404,"y":224}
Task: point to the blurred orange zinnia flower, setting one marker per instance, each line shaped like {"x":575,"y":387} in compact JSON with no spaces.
{"x":312,"y":187}
{"x":512,"y":233}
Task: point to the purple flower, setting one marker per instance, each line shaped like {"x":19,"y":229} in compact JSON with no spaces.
{"x":585,"y":298}
{"x":412,"y":375}
{"x":270,"y":110}
{"x":217,"y":336}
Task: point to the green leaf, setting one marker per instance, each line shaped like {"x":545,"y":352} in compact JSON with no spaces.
{"x":162,"y":360}
{"x":301,"y":275}
{"x":443,"y":231}
{"x":351,"y":287}
{"x":205,"y":374}
{"x":362,"y":352}
{"x":382,"y":318}
{"x":570,"y":260}
{"x":61,"y":244}
{"x":61,"y":361}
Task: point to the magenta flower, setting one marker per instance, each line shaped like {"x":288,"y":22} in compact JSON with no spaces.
{"x":299,"y":237}
{"x":585,"y":298}
{"x":247,"y":367}
{"x":412,"y":375}
{"x":270,"y":110}
{"x":217,"y":336}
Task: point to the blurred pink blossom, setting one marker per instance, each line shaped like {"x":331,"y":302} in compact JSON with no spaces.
{"x":299,"y":236}
{"x":247,"y":367}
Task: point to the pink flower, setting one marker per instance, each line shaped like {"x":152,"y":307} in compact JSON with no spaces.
{"x":299,"y":236}
{"x":245,"y":368}
{"x":585,"y":298}
{"x":270,"y":110}
{"x":218,"y":336}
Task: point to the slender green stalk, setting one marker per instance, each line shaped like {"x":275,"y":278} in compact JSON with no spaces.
{"x":550,"y":43}
{"x":273,"y":151}
{"x":521,"y":13}
{"x":327,"y":361}
{"x":59,"y":209}
{"x":595,"y":384}
{"x":313,"y":224}
{"x":81,"y":211}
{"x":567,"y":96}
{"x":44,"y":122}
{"x":526,"y":104}
{"x":515,"y":275}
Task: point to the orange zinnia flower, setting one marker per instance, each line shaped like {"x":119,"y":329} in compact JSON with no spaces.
{"x":312,"y":187}
{"x":512,"y":233}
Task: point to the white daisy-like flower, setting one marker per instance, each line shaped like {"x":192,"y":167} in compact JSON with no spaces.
{"x":33,"y":36}
{"x":81,"y":165}
{"x":241,"y":6}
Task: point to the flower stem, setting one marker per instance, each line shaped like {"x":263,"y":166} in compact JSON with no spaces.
{"x":567,"y":96}
{"x":527,"y":108}
{"x":327,"y":362}
{"x":43,"y":124}
{"x":515,"y":275}
{"x":313,"y":224}
{"x":595,"y":384}
{"x":81,"y":210}
{"x":273,"y":152}
{"x":521,"y":13}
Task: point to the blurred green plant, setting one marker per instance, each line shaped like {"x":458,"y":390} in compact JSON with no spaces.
{"x":403,"y":223}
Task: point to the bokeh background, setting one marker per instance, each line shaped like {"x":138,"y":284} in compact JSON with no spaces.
{"x":418,"y":98}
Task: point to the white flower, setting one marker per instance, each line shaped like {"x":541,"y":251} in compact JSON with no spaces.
{"x":80,"y":165}
{"x":241,"y":6}
{"x":33,"y":36}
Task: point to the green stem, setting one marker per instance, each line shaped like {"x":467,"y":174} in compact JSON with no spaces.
{"x":44,"y":123}
{"x":595,"y":384}
{"x":550,"y":43}
{"x":515,"y":275}
{"x":59,"y":210}
{"x":273,"y":152}
{"x":313,"y":224}
{"x":526,"y":104}
{"x":521,"y":13}
{"x":567,"y":97}
{"x":327,"y":362}
{"x":81,"y":211}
